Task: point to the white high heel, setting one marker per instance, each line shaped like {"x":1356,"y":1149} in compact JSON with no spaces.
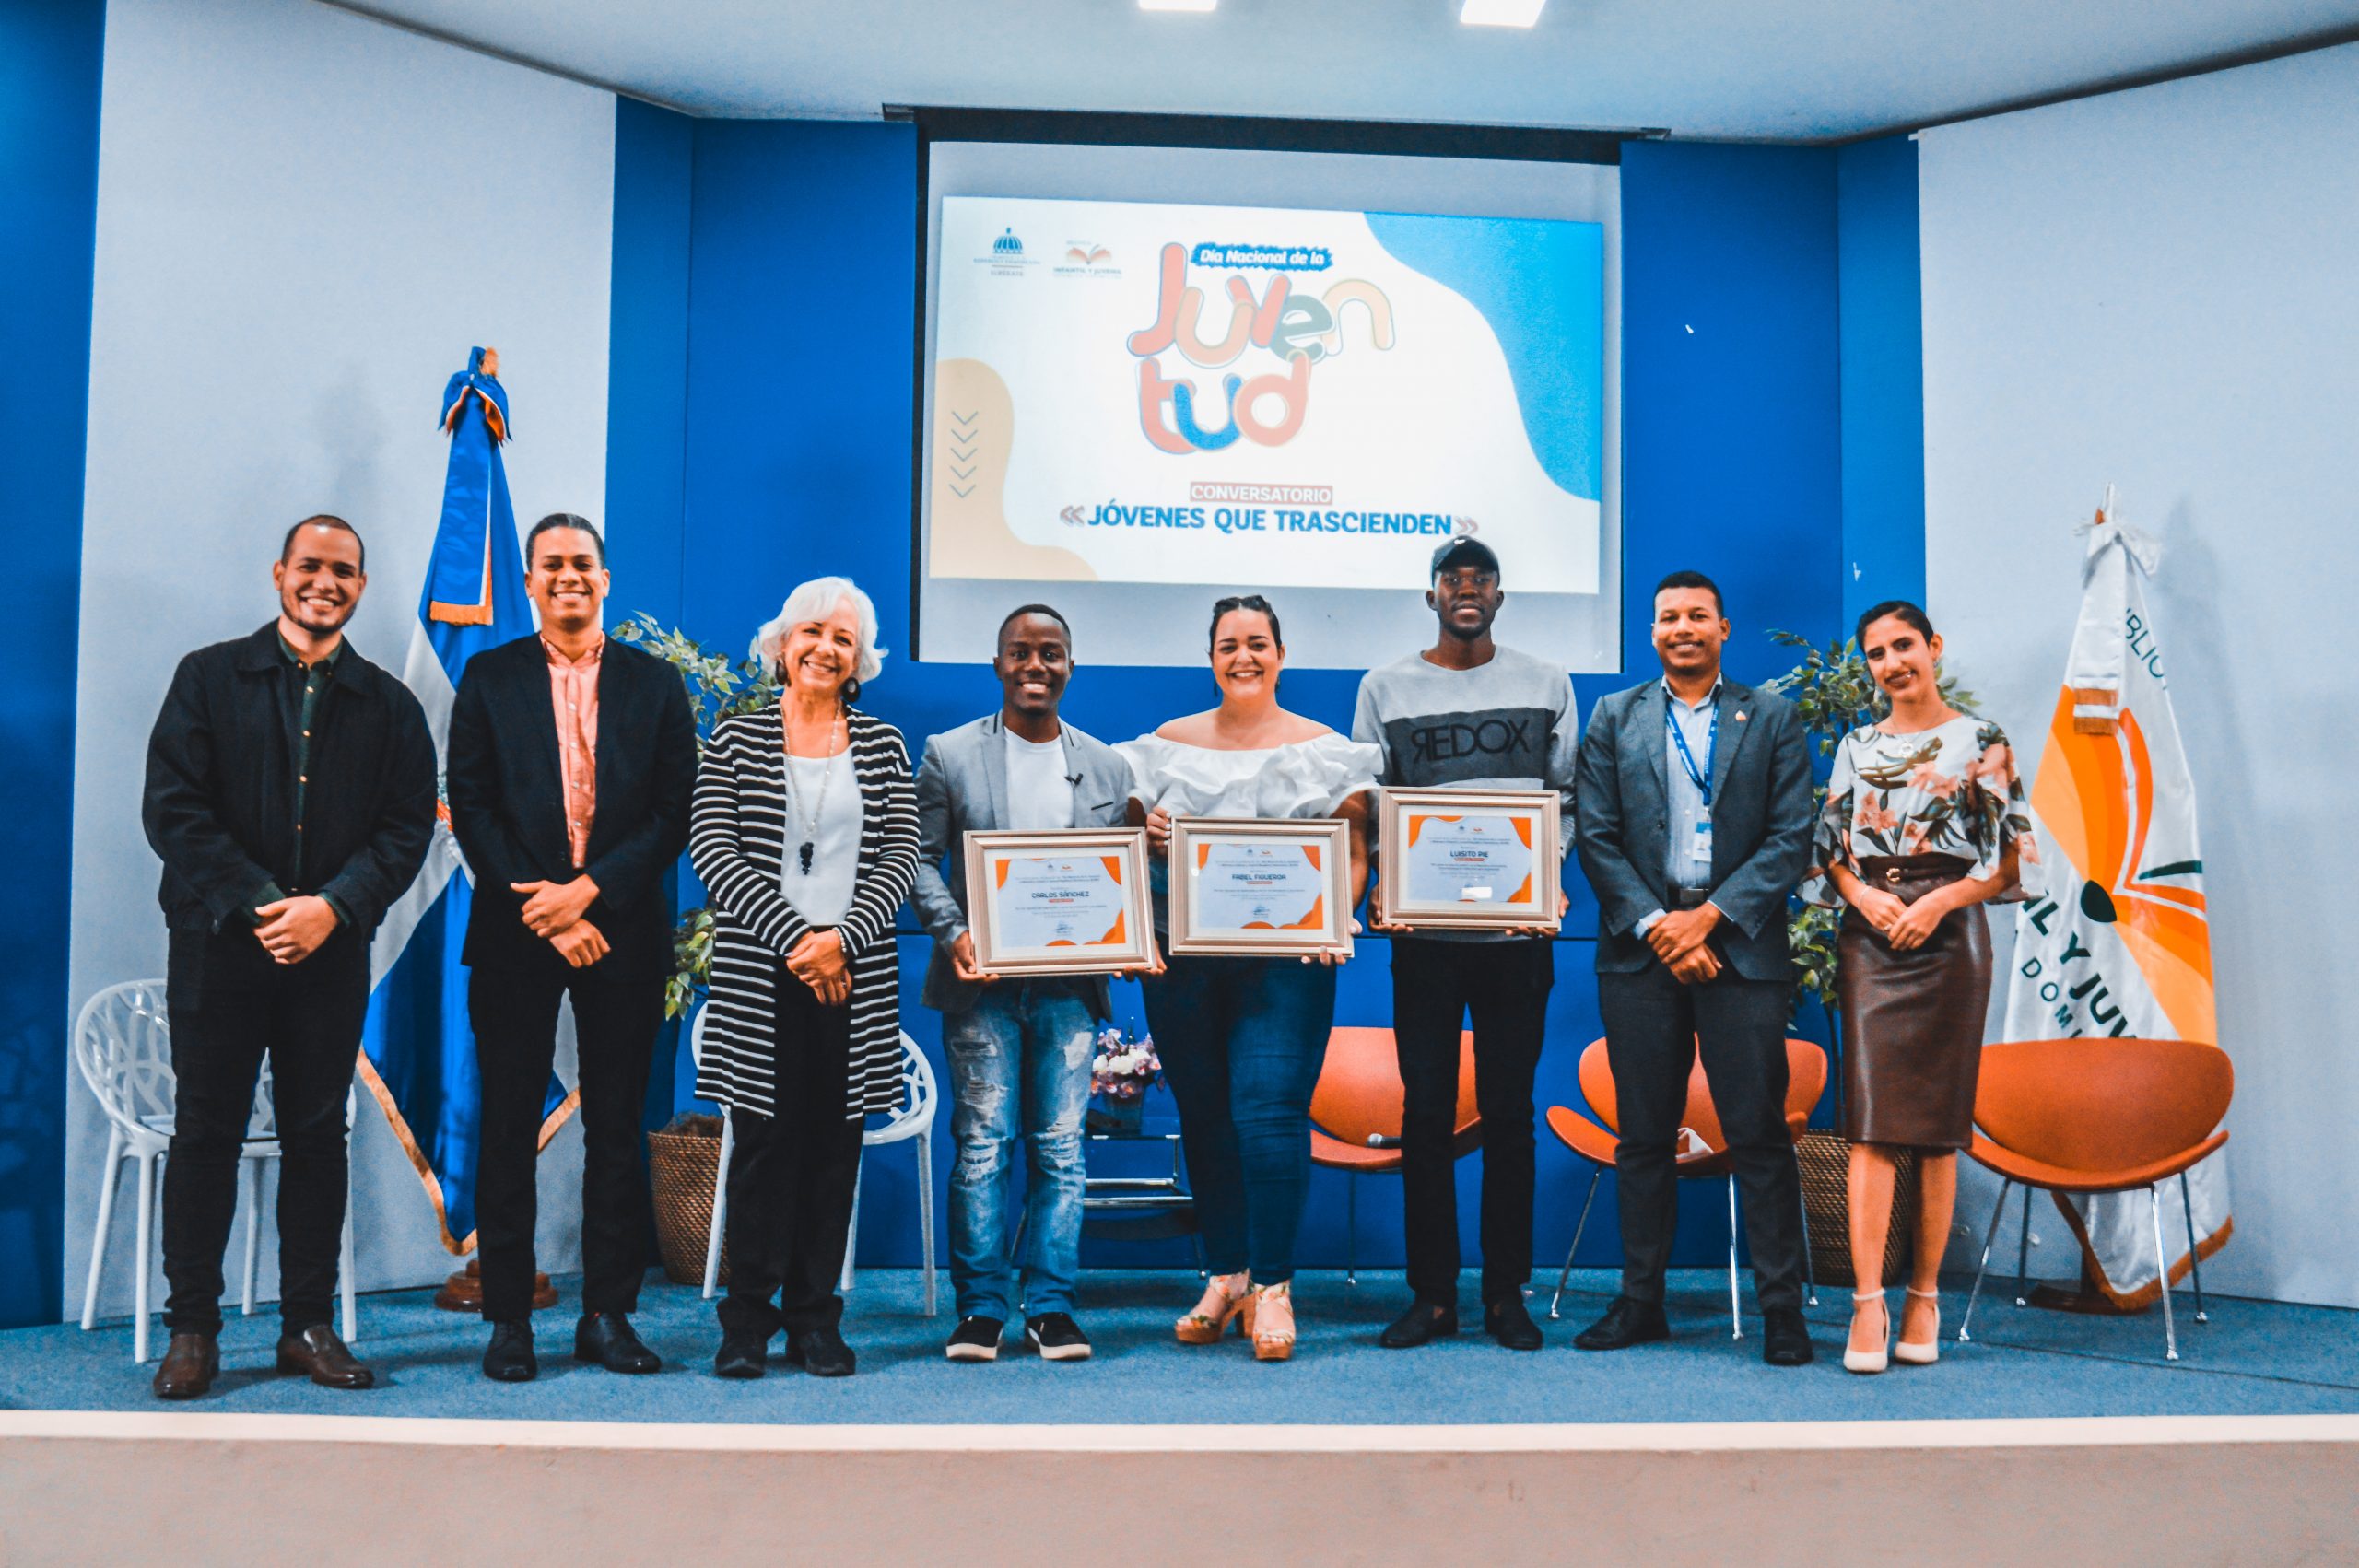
{"x":1926,"y":1353}
{"x":1881,"y":1357}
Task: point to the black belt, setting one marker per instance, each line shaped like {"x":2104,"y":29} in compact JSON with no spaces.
{"x":1690,"y":897}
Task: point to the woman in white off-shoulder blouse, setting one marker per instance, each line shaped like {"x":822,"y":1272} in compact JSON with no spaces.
{"x":1242,"y":1038}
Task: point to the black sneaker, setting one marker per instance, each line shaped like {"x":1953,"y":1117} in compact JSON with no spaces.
{"x":821,"y":1352}
{"x":975,"y":1339}
{"x":1057,"y":1336}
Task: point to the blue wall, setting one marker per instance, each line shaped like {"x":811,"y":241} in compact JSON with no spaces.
{"x":647,"y":417}
{"x":49,"y":52}
{"x":1883,"y":331}
{"x":800,"y":283}
{"x":647,"y":387}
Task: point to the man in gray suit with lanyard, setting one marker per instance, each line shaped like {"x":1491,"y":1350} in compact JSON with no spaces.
{"x":1693,"y":822}
{"x":1019,"y":1048}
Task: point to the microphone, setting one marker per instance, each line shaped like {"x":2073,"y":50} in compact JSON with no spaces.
{"x":1382,"y":1141}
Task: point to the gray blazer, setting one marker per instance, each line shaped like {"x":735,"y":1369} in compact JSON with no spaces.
{"x":962,"y":788}
{"x":1761,"y":824}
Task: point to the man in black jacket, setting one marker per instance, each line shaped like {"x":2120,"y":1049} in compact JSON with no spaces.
{"x":572,"y":759}
{"x":290,"y":795}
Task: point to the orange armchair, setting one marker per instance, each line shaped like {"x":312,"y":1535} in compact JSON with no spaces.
{"x":1805,"y":1081}
{"x":1356,"y":1111}
{"x":2092,"y":1115}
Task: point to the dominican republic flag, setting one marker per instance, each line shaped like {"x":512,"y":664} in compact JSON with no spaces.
{"x":2122,"y":945}
{"x":417,"y":1054}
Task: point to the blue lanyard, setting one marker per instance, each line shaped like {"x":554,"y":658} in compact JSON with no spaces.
{"x":1703,"y":782}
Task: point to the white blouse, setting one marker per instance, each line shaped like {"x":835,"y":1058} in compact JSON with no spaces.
{"x":822,"y":895}
{"x":1304,"y":779}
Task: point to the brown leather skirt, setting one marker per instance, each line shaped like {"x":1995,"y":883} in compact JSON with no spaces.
{"x":1912,"y":1021}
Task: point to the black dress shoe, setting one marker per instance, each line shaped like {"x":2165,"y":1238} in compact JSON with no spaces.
{"x":1785,"y":1338}
{"x":1626,"y":1323}
{"x":508,"y":1358}
{"x":1507,"y":1321}
{"x":191,"y":1363}
{"x":317,"y":1354}
{"x":604,"y":1338}
{"x":1422,"y":1324}
{"x":820,"y":1351}
{"x":744,"y":1353}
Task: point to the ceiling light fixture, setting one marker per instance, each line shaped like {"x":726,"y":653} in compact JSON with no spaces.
{"x":1500,"y":13}
{"x":1177,"y":5}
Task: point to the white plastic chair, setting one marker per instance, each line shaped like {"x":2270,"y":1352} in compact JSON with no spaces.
{"x":913,"y":1118}
{"x":122,"y":1044}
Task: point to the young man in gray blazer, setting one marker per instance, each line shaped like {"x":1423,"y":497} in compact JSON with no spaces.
{"x":1019,"y":1049}
{"x":1694,"y":823}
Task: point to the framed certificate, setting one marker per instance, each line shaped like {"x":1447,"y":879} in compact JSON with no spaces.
{"x":1471,"y":859}
{"x":1261,"y":888}
{"x":1066,"y":902}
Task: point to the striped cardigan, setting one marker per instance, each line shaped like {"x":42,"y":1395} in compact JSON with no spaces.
{"x":737,"y":833}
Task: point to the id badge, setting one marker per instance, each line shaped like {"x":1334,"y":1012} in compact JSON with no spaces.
{"x":1699,"y":847}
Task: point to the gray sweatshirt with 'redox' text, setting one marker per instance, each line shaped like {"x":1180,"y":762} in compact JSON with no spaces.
{"x":1508,"y":724}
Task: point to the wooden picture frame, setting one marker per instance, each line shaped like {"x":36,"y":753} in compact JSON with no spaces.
{"x":1059,"y":875}
{"x":1296,"y":872}
{"x":1458,"y":878}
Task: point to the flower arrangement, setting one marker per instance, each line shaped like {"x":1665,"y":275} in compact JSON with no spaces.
{"x":1125,"y":1065}
{"x":1123,"y":1069}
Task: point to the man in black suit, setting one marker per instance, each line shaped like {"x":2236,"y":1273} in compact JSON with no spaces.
{"x":1693,"y":822}
{"x":572,"y":757}
{"x":290,"y":796}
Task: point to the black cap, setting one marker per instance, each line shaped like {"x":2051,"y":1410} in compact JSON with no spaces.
{"x":1464,"y":550}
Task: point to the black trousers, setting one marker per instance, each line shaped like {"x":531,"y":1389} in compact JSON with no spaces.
{"x":792,"y":1178}
{"x":230,"y":1004}
{"x":1434,"y":985}
{"x":1654,"y":1026}
{"x":617,"y":1008}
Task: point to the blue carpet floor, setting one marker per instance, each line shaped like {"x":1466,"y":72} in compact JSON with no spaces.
{"x":2253,"y":1358}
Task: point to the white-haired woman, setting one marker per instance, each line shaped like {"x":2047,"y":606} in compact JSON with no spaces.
{"x":805,"y":831}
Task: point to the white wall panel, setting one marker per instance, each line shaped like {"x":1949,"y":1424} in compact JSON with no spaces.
{"x":305,"y":220}
{"x":2155,"y":288}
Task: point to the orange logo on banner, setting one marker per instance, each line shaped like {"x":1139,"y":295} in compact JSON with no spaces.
{"x":2098,"y":805}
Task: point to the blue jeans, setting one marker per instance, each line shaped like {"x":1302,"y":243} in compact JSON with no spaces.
{"x":1019,"y":1063}
{"x":1241,"y":1041}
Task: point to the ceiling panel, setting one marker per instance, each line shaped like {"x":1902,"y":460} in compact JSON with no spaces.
{"x":1780,"y":70}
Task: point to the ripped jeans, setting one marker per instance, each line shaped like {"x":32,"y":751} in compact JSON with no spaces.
{"x":1019,"y":1064}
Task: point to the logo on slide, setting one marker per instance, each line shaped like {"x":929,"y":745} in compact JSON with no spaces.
{"x":1296,"y":329}
{"x":1008,"y":244}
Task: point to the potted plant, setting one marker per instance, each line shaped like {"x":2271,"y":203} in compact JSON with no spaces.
{"x":685,"y":1156}
{"x":1833,"y":693}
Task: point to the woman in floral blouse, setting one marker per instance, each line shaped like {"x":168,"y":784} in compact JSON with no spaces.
{"x":1924,"y":822}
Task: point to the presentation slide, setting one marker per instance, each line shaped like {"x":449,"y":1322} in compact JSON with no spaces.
{"x":1135,"y":393}
{"x":1132,"y":407}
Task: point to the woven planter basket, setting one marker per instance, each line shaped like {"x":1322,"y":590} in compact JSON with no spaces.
{"x":1825,"y":1159}
{"x":681,"y":1161}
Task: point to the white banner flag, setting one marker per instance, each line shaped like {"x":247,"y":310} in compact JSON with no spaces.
{"x":2122,"y":944}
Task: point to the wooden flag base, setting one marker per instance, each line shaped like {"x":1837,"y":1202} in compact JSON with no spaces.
{"x":463,"y":1291}
{"x":2081,"y":1296}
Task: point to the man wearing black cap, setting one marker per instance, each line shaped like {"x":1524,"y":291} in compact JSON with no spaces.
{"x":1469,"y":714}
